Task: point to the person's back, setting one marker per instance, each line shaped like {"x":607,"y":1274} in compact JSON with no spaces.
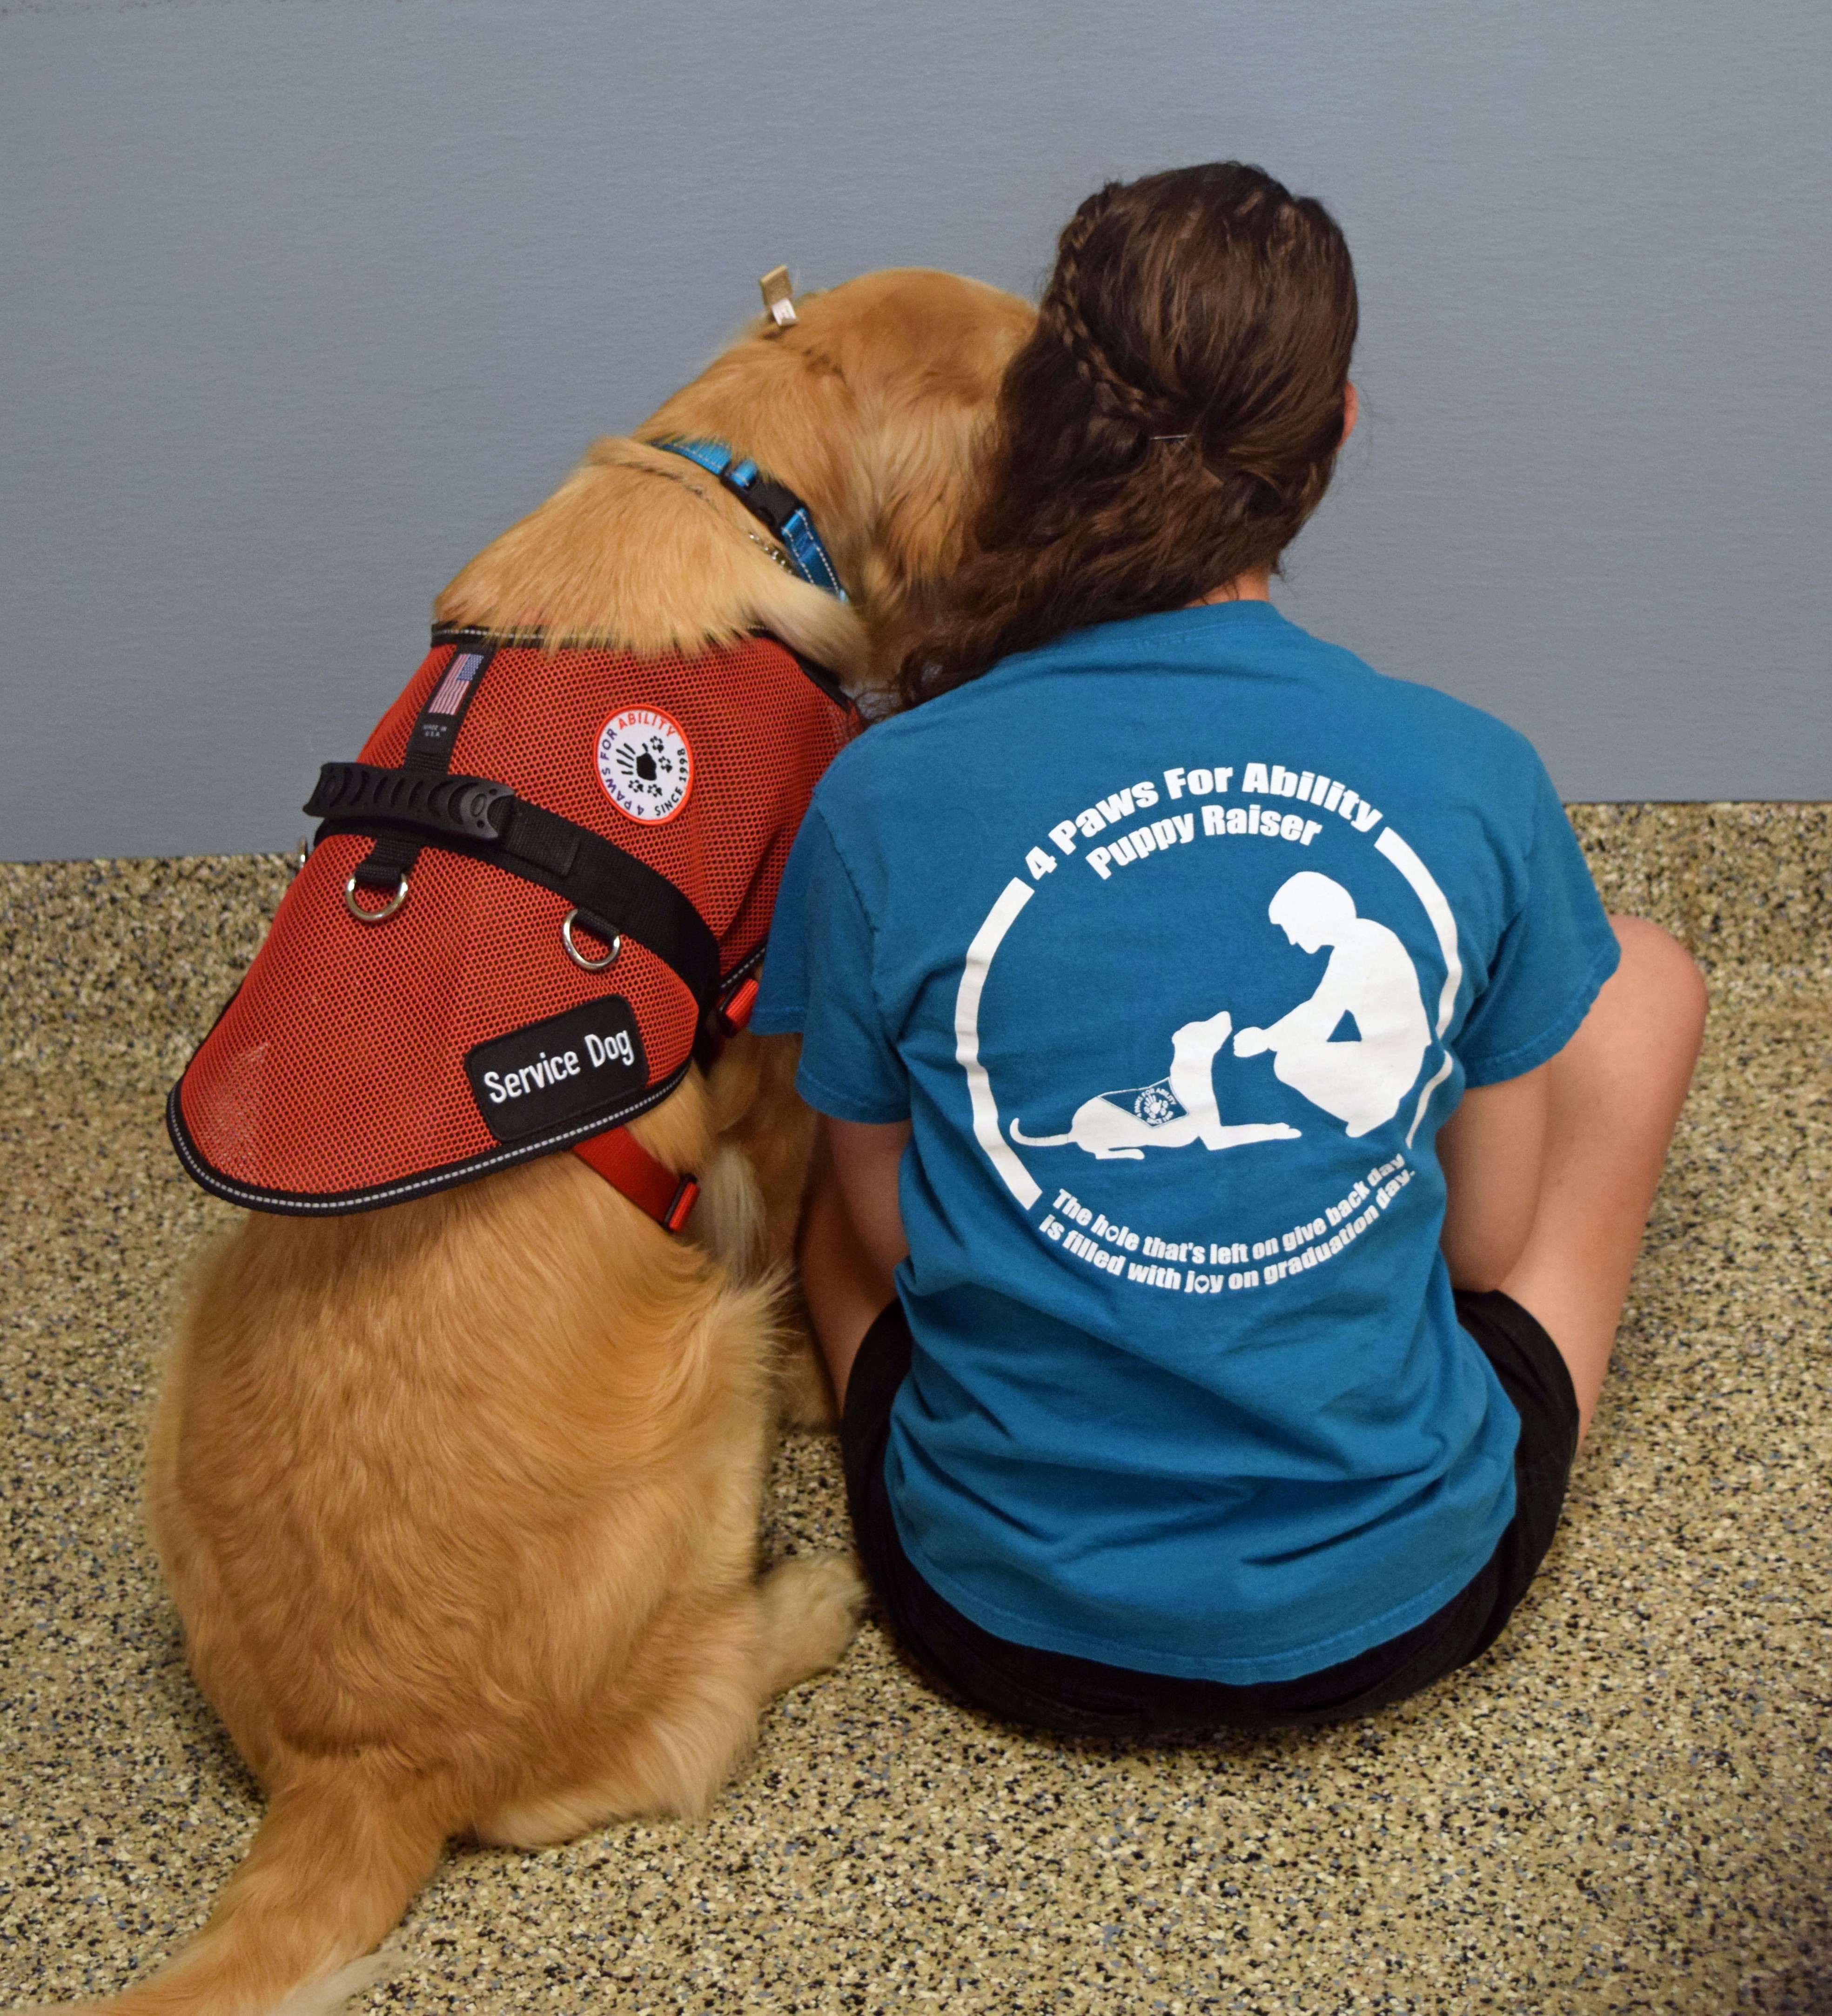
{"x":1300,"y":1453}
{"x":1170,"y":943}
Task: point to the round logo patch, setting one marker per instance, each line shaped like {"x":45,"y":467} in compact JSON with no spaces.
{"x":645,"y":765}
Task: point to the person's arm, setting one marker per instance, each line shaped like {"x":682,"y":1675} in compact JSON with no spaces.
{"x":851,"y":1235}
{"x":1313,"y":1020}
{"x":1492,"y":1151}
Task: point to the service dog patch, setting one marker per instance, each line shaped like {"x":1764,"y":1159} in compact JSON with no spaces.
{"x":645,"y":765}
{"x":565,"y":1068}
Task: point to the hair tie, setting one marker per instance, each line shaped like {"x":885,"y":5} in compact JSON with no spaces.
{"x":1170,"y":438}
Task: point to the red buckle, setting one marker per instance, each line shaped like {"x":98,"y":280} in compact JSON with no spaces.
{"x":682,"y":1209}
{"x":735,"y":1011}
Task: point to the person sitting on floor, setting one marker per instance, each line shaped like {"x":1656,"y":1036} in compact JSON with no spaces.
{"x":1150,"y":1442}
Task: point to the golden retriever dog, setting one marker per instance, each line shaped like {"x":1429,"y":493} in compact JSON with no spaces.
{"x":459,"y":1498}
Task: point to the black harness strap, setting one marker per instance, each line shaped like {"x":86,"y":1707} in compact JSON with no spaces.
{"x":615,"y":892}
{"x":429,"y":754}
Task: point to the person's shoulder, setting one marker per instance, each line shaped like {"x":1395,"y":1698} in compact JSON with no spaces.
{"x":1439,"y":725}
{"x":879,"y":749}
{"x":1454,"y":724}
{"x":894,"y":753}
{"x":873,"y":773}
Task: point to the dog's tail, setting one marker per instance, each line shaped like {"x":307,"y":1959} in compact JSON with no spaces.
{"x":1039,"y":1140}
{"x":340,"y":1855}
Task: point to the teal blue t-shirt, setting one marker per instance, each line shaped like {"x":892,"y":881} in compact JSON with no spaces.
{"x":1176,"y":941}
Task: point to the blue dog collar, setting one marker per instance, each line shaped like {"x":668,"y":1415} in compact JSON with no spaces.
{"x":774,"y":505}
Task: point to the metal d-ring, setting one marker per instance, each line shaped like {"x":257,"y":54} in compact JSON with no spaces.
{"x":578,"y":958}
{"x":380,"y":917}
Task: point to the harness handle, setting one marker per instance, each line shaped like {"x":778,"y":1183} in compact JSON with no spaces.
{"x":485,"y":821}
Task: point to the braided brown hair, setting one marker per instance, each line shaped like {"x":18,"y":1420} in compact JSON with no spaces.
{"x":1170,"y":425}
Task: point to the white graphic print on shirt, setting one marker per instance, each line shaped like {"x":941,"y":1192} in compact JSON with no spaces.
{"x":1121,"y":1125}
{"x":1369,"y":980}
{"x":1353,"y":1048}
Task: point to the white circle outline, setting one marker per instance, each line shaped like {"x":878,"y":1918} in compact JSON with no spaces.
{"x":643,"y":706}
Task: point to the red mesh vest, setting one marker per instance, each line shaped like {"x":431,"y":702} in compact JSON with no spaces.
{"x":519,"y":790}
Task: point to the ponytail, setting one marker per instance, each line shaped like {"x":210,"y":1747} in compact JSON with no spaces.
{"x":1171,"y":424}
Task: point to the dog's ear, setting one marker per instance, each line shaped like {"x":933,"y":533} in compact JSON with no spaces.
{"x":942,"y":346}
{"x":929,"y":476}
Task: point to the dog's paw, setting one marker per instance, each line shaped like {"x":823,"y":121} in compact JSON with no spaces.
{"x":804,"y":1394}
{"x":811,"y":1607}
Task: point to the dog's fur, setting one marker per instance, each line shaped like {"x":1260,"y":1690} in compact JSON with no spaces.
{"x":459,"y":1498}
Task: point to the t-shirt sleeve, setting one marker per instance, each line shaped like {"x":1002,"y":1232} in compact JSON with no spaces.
{"x":817,"y":978}
{"x":1554,"y":958}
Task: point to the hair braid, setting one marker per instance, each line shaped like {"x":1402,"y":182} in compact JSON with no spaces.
{"x":1113,"y":395}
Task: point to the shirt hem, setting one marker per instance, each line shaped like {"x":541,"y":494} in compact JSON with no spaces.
{"x":1292,"y":1665}
{"x":784,"y":1020}
{"x":1525,"y":1057}
{"x":843,"y":1106}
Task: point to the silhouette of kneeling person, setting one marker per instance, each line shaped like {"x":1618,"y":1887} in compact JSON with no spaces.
{"x":1371,"y":980}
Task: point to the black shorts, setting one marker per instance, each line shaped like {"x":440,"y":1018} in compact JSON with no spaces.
{"x":1076,"y":1697}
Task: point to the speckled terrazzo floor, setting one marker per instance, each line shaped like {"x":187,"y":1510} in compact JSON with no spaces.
{"x":1624,"y":1807}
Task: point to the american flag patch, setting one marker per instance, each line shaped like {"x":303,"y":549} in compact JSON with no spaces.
{"x":456,"y":683}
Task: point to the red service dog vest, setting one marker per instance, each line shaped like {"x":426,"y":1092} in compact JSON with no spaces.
{"x":527,"y":904}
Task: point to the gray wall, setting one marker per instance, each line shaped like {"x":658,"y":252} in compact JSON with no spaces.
{"x":300,"y":304}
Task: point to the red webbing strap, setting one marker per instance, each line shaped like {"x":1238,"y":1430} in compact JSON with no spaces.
{"x":628,"y":1168}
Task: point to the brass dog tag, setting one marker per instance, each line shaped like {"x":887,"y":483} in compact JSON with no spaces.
{"x":776,"y":291}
